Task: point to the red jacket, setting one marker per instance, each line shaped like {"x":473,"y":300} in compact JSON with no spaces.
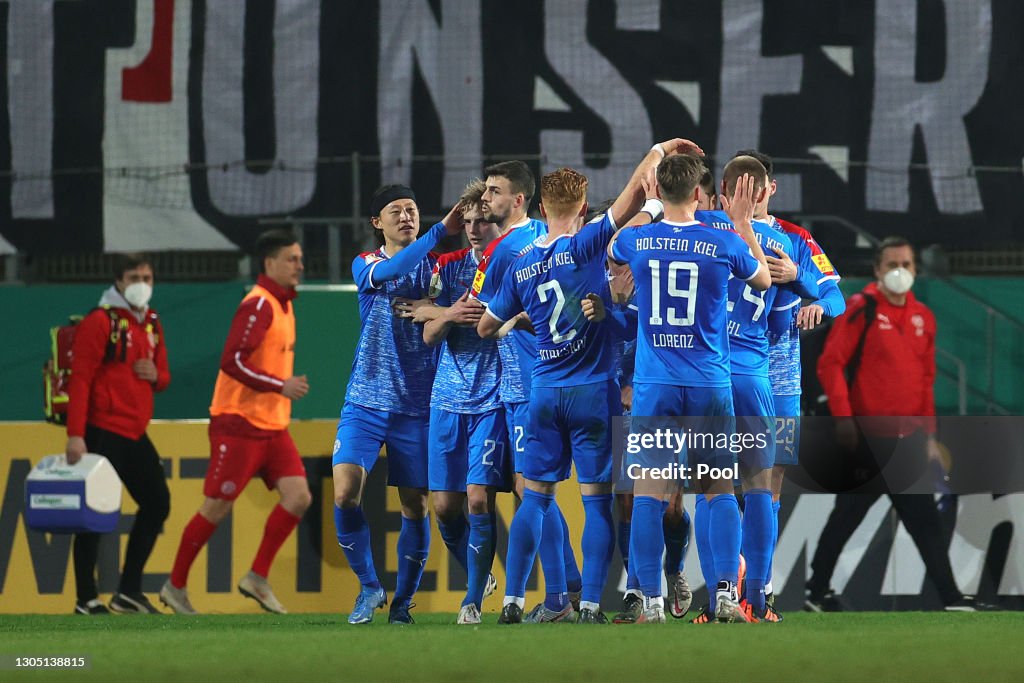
{"x":896,"y":375}
{"x":108,"y":395}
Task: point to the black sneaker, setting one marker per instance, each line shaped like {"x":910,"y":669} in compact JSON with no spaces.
{"x":132,"y":603}
{"x":970,"y":603}
{"x":400,"y":613}
{"x":511,"y":614}
{"x":91,"y":608}
{"x":632,"y":607}
{"x":824,"y":602}
{"x":589,"y":616}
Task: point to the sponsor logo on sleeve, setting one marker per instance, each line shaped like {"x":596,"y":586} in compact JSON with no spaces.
{"x":824,"y":265}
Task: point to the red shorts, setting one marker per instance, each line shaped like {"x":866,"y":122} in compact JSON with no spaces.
{"x":234,"y":460}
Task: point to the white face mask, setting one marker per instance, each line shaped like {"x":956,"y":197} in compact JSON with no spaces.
{"x":138,"y":294}
{"x":898,"y":280}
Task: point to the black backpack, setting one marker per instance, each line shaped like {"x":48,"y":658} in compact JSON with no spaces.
{"x":812,"y":344}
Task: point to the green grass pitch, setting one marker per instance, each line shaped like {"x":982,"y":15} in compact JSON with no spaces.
{"x":911,"y":646}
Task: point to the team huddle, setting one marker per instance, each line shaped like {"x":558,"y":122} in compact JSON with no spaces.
{"x":500,"y":366}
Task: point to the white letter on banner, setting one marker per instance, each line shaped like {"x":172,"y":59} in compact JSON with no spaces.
{"x":606,"y":92}
{"x":901,"y":104}
{"x":449,"y":56}
{"x":238,"y":191}
{"x":30,"y":106}
{"x":747,"y":77}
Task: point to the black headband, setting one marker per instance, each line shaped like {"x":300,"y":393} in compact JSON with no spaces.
{"x":388,"y":194}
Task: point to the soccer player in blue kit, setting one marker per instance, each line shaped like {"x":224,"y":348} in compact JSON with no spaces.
{"x":469,"y":455}
{"x":387,"y":400}
{"x":574,"y":392}
{"x":682,"y":269}
{"x":506,"y":199}
{"x":752,"y":395}
{"x":784,"y":368}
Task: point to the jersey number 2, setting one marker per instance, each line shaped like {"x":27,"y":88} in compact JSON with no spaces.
{"x":542,"y":292}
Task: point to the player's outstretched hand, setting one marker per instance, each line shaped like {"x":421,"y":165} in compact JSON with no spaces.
{"x":75,"y":449}
{"x":740,"y":207}
{"x":453,"y":222}
{"x":809,"y":316}
{"x":593,"y":308}
{"x":681,"y":146}
{"x":465,"y":311}
{"x":782,"y":268}
{"x":295,"y":387}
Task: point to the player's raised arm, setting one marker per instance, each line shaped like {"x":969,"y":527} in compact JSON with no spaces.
{"x":394,"y":212}
{"x":631,"y":199}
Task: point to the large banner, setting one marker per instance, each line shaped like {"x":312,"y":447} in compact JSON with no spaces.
{"x":880,"y":568}
{"x":177,"y":124}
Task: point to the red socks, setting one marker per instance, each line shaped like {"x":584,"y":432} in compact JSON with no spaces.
{"x":197,"y":533}
{"x":199,"y":529}
{"x":280,"y":523}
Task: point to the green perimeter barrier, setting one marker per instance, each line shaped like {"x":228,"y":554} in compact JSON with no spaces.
{"x":197,"y":316}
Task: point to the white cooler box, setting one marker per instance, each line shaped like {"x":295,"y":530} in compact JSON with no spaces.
{"x":63,"y":499}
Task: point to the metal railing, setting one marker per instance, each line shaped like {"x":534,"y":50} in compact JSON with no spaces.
{"x":865,"y":238}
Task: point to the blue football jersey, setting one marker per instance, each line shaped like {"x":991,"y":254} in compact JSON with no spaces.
{"x":749,"y":309}
{"x":682,"y":273}
{"x":784,"y":365}
{"x":519,"y":349}
{"x":393,"y":369}
{"x":469,"y":369}
{"x":549,"y":282}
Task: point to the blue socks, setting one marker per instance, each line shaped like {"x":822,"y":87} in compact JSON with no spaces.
{"x":677,"y":539}
{"x":702,"y":534}
{"x":524,"y":538}
{"x":573,"y":579}
{"x":456,"y":536}
{"x":724,"y":530}
{"x":632,"y":583}
{"x":481,"y":555}
{"x":354,"y":539}
{"x":646,"y":543}
{"x":757,"y":542}
{"x":598,"y":545}
{"x":413,"y":548}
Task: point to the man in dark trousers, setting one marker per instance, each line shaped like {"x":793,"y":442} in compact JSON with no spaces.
{"x":879,"y":361}
{"x":119,"y":360}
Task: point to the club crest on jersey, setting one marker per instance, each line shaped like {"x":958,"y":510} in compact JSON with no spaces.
{"x":478,"y":281}
{"x":824,"y":265}
{"x":918,"y":321}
